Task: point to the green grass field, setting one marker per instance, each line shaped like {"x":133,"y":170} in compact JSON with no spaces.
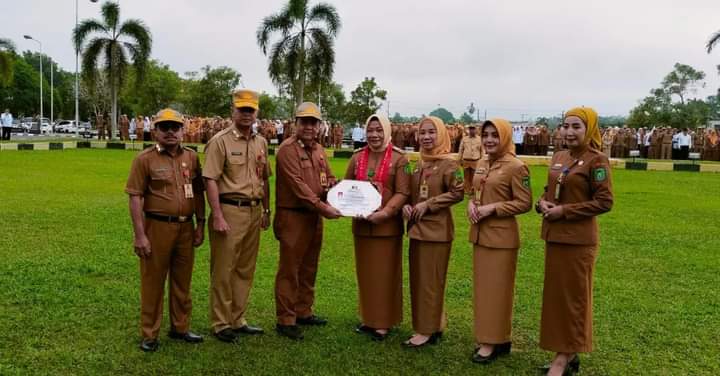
{"x":69,"y":301}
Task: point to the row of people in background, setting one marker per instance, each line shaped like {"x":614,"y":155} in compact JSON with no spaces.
{"x":421,"y":194}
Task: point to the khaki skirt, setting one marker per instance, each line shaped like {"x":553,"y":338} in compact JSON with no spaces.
{"x":567,"y":313}
{"x":428,"y":276}
{"x":493,"y":292}
{"x":378,"y":266}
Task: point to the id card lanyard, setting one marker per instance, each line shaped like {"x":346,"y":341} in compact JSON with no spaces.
{"x":424,"y":189}
{"x":563,"y":175}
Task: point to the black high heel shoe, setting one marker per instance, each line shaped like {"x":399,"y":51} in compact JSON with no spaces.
{"x":572,"y":367}
{"x":498,"y":350}
{"x":432,"y":340}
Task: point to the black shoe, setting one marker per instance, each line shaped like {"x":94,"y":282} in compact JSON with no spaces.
{"x":226,"y":335}
{"x":572,"y":367}
{"x":432,"y":340}
{"x":247,"y":329}
{"x":372,"y":332}
{"x":149,"y":345}
{"x":311,"y":320}
{"x":188,"y":337}
{"x":290,"y":331}
{"x":499,"y":349}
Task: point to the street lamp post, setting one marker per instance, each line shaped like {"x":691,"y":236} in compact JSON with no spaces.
{"x":41,"y":79}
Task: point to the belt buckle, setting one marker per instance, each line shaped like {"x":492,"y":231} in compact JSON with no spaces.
{"x":182,"y":218}
{"x":253,"y":202}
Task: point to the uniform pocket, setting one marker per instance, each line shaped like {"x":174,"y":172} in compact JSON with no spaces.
{"x":236,"y":160}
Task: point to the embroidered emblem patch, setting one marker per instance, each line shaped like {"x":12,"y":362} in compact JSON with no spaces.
{"x":526,"y":181}
{"x":600,"y":174}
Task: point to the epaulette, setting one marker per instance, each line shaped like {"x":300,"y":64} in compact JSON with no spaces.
{"x":397,"y":149}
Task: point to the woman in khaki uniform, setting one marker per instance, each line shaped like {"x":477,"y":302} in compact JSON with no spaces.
{"x":378,"y":238}
{"x":579,"y":188}
{"x":501,"y":188}
{"x":436,"y":184}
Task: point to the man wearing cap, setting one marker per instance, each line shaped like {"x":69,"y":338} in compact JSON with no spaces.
{"x":236,"y":174}
{"x":303,"y":179}
{"x":469,"y":154}
{"x":166,"y":191}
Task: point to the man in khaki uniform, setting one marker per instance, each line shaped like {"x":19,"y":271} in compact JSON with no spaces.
{"x":666,"y":148}
{"x":236,"y":174}
{"x":303,"y":179}
{"x":166,"y":190}
{"x":124,"y":128}
{"x":469,"y":154}
{"x":100,"y":126}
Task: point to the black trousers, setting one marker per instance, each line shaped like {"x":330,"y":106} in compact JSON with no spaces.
{"x":684,"y":153}
{"x":6,"y":133}
{"x":358,"y":144}
{"x":280,"y":139}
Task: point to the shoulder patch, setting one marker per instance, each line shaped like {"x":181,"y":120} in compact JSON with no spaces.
{"x":599,"y":174}
{"x":526,"y":181}
{"x":459,"y":174}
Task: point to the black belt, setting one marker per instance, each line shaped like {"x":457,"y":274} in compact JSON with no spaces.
{"x":167,"y":218}
{"x":239,"y":202}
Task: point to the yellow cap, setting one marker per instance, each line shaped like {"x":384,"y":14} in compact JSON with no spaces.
{"x":308,"y":109}
{"x":246,"y":98}
{"x":168,"y":114}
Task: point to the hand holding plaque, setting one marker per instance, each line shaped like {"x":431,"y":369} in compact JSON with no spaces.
{"x":354,"y":198}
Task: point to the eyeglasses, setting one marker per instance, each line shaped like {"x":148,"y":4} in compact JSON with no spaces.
{"x":164,"y":127}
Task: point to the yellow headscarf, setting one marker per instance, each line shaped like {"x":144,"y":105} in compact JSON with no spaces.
{"x":592,"y":130}
{"x":442,"y":143}
{"x":505,"y":132}
{"x":387,"y":129}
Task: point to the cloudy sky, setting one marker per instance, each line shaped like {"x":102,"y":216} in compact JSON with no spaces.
{"x":516,"y":59}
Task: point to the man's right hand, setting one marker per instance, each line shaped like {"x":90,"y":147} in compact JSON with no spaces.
{"x":142,"y":246}
{"x":220,"y":225}
{"x":330,"y":212}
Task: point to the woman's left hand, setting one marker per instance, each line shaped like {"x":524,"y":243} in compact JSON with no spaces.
{"x":553,"y":213}
{"x":419,"y":211}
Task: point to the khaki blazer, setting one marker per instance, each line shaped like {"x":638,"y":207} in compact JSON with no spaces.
{"x":505,"y":183}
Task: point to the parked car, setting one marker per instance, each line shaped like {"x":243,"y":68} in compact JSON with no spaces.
{"x":65,"y":126}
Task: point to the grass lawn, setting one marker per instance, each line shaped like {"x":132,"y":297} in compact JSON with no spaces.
{"x":69,"y":301}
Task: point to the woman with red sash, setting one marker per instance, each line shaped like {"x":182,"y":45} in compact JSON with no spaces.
{"x":378,"y":237}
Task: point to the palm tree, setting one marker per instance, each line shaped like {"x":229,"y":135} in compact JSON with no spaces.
{"x":114,"y":44}
{"x":305,"y":46}
{"x":714,"y":39}
{"x":7,"y":48}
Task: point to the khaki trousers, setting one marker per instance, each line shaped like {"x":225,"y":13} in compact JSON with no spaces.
{"x":666,"y":151}
{"x":300,"y":234}
{"x":232,"y":265}
{"x":567,"y":310}
{"x":468,"y":173}
{"x":378,"y":266}
{"x":493,"y":292}
{"x":171,"y":254}
{"x":428,"y":276}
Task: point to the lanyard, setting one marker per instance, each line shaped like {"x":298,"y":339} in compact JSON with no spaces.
{"x":561,"y":178}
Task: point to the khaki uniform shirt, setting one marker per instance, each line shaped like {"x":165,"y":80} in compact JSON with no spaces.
{"x":470,"y":148}
{"x":238,"y":164}
{"x":586,"y":192}
{"x":394,"y":195}
{"x":445,"y":188}
{"x":505,"y":183}
{"x":300,"y":172}
{"x":160,"y":178}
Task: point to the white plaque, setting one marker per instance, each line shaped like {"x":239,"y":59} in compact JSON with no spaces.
{"x":354,"y":198}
